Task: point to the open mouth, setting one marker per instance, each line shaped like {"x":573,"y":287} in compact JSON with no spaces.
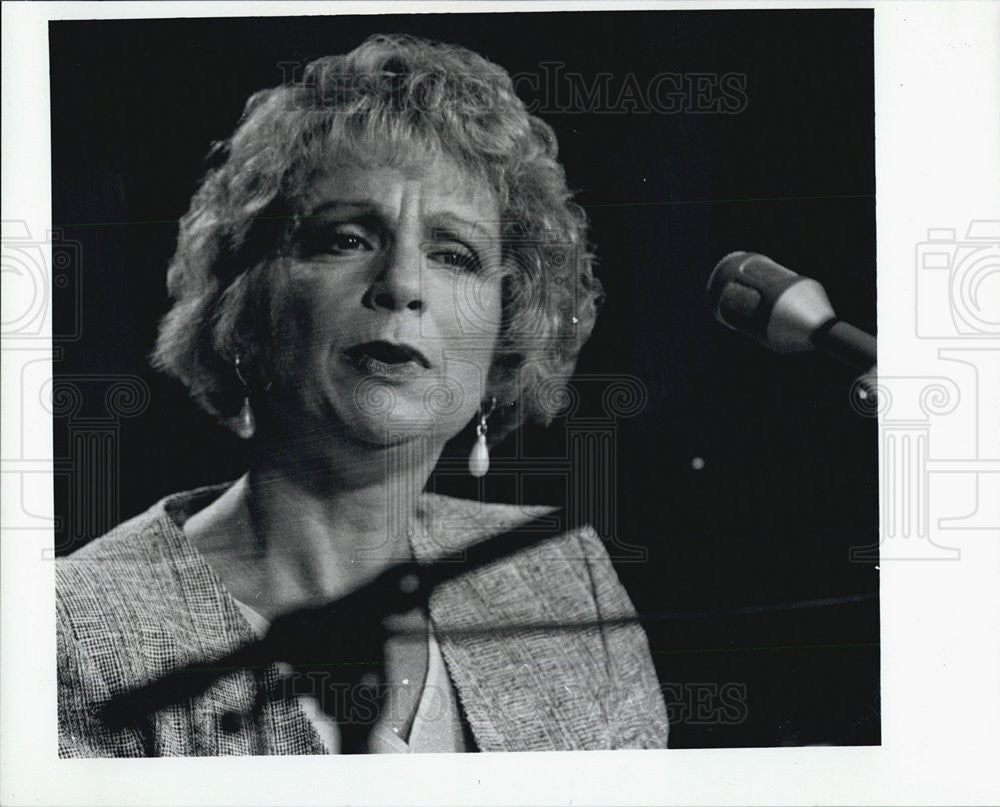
{"x":386,"y":359}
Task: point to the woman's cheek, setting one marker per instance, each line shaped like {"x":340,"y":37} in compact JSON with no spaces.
{"x":474,"y":309}
{"x":308,"y":303}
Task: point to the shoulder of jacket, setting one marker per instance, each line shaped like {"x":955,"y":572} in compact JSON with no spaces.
{"x":139,"y":569}
{"x":140,"y":538}
{"x":449,"y":524}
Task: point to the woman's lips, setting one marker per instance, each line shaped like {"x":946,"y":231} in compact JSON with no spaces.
{"x":386,"y":359}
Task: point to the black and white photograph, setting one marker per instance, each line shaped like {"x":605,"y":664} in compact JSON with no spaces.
{"x":368,"y":292}
{"x":440,"y":383}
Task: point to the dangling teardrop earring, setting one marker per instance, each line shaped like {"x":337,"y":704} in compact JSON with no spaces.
{"x":479,"y":457}
{"x":246,"y":423}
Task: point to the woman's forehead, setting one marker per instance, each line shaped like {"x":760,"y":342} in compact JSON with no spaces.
{"x":439,"y":185}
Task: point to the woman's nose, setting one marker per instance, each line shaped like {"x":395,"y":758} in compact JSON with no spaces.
{"x":397,"y":286}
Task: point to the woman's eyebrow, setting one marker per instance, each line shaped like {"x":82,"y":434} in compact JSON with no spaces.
{"x":449,"y":224}
{"x":355,"y":207}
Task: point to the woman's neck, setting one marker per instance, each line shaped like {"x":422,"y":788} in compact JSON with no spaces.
{"x":284,"y":536}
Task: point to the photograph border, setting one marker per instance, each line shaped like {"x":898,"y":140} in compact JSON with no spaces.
{"x":939,"y":671}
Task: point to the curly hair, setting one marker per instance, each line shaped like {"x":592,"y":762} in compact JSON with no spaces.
{"x":386,"y":98}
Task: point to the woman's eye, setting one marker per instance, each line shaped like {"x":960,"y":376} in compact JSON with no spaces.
{"x":348,"y":242}
{"x":457,"y":259}
{"x":316,"y":242}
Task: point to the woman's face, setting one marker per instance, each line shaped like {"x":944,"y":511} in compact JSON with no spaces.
{"x":387,"y":307}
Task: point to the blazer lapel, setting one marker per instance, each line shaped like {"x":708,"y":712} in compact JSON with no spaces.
{"x":524,"y":690}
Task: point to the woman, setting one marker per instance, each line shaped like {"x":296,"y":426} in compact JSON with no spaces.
{"x":384,"y":253}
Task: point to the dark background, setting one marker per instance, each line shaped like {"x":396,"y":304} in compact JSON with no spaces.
{"x":789,"y":482}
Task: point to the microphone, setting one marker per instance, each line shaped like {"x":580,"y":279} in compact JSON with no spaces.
{"x":785,"y":312}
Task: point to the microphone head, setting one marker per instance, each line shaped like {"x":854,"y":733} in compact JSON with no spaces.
{"x":752,"y":294}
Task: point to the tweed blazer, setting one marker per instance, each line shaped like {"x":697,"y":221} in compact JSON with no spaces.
{"x":141,"y":601}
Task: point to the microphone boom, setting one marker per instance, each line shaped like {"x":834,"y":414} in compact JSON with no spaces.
{"x":782,"y":310}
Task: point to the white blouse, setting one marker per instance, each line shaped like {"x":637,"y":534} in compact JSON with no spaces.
{"x":436,"y":726}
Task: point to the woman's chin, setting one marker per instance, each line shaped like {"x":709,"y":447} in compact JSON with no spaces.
{"x":404,"y":421}
{"x":393,"y":413}
{"x":374,"y":415}
{"x":403,"y":425}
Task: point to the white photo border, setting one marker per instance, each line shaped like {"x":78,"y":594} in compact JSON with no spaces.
{"x":937,"y":80}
